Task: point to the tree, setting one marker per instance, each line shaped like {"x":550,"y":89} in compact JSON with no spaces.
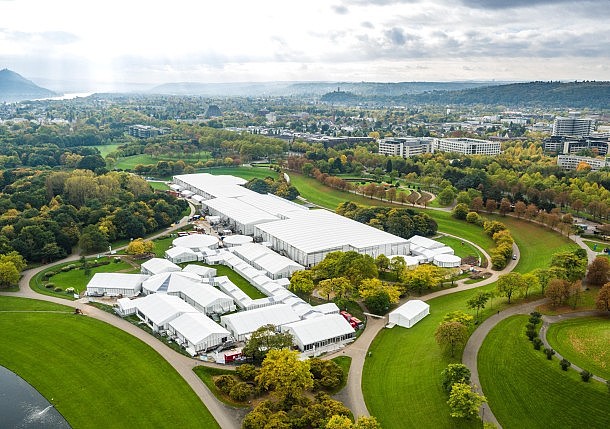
{"x":93,"y":240}
{"x":339,"y":286}
{"x":573,"y":262}
{"x":14,"y":258}
{"x":451,"y":336}
{"x":265,"y":339}
{"x":364,"y":422}
{"x":398,"y":266}
{"x":602,"y":302}
{"x":477,"y":204}
{"x":9,"y":275}
{"x":530,"y":281}
{"x":382,"y":262}
{"x":459,"y":316}
{"x":455,"y":373}
{"x":491,"y":205}
{"x":599,"y":271}
{"x":372,"y":287}
{"x":557,"y":291}
{"x":575,"y":293}
{"x":302,"y":282}
{"x":510,"y":283}
{"x":460,"y":211}
{"x":478,"y":302}
{"x":520,"y":208}
{"x":422,"y":277}
{"x":504,"y":206}
{"x":464,"y":402}
{"x":285,"y":374}
{"x":446,"y":196}
{"x":139,"y":246}
{"x":339,"y":422}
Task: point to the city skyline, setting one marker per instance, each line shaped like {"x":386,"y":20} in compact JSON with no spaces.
{"x":362,"y":40}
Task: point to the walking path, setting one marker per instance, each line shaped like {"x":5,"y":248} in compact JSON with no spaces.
{"x":549,"y":320}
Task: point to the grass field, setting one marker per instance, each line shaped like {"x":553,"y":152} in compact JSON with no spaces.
{"x":239,"y":281}
{"x":243,"y":172}
{"x":159,"y":186}
{"x":461,"y":250}
{"x":74,"y":278}
{"x":94,"y":374}
{"x":105,"y":149}
{"x":584,"y":342}
{"x":130,"y":162}
{"x":525,"y":390}
{"x":597,"y":246}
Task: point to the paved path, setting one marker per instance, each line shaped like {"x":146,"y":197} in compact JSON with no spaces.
{"x":227,"y":417}
{"x":549,"y":320}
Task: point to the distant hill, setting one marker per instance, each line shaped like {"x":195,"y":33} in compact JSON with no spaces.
{"x":14,"y":87}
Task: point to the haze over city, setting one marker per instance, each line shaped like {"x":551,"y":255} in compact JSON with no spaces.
{"x":111,"y":42}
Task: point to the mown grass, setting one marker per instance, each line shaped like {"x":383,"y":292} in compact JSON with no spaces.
{"x":159,"y":186}
{"x":246,"y":173}
{"x":461,"y":248}
{"x":584,"y":342}
{"x":239,"y":281}
{"x":75,"y":361}
{"x":130,"y":162}
{"x":105,"y":149}
{"x":525,"y":390}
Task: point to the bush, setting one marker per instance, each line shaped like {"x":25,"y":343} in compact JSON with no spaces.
{"x":49,"y":274}
{"x":50,"y":285}
{"x":68,"y":268}
{"x":70,"y":290}
{"x":549,"y":353}
{"x":531,"y":334}
{"x":225,"y":383}
{"x":246,"y":372}
{"x":565,"y":364}
{"x":608,"y":385}
{"x":241,"y":391}
{"x":585,"y":375}
{"x":537,"y":343}
{"x":58,"y":289}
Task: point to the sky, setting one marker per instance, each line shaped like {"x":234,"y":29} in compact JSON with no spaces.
{"x":153,"y":42}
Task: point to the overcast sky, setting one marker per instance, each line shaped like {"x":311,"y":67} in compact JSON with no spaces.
{"x":347,"y":40}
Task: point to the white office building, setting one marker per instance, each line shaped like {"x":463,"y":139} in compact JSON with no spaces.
{"x":580,"y":127}
{"x":466,"y":146}
{"x":405,"y":146}
{"x":571,"y":162}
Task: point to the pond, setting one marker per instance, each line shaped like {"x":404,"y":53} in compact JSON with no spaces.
{"x":23,"y":407}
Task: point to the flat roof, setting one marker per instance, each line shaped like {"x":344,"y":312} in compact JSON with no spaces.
{"x":239,"y":211}
{"x":319,"y":230}
{"x":116,"y":280}
{"x":197,"y":327}
{"x":160,"y":307}
{"x":245,"y":322}
{"x":195,"y":241}
{"x":313,"y":330}
{"x":215,"y":185}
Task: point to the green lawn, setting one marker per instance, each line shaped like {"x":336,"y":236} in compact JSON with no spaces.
{"x":597,"y":246}
{"x":74,"y":278}
{"x":584,"y":342}
{"x":401,"y":379}
{"x":159,"y":186}
{"x":461,"y":250}
{"x":537,"y":244}
{"x":105,"y":149}
{"x":130,"y":162}
{"x":94,"y":374}
{"x":525,"y":390}
{"x":246,"y":173}
{"x":161,"y":245}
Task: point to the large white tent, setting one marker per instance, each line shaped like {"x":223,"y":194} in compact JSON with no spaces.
{"x":309,"y":236}
{"x":206,"y":298}
{"x":200,"y":270}
{"x":170,"y":283}
{"x":261,"y":257}
{"x":409,"y":313}
{"x":320,"y":333}
{"x":245,"y":322}
{"x":115,"y":284}
{"x":212,"y":186}
{"x":197,"y":333}
{"x":240,"y":215}
{"x":179,"y":255}
{"x":197,"y":242}
{"x":157,"y":266}
{"x":158,"y":309}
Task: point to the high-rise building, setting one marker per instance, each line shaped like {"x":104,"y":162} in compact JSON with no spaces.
{"x":467,"y":146}
{"x":405,"y":146}
{"x":579,"y":127}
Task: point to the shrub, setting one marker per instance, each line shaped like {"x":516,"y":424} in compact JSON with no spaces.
{"x":246,"y":372}
{"x":58,"y":289}
{"x":50,"y":285}
{"x":537,"y":343}
{"x":531,"y":334}
{"x":549,"y":353}
{"x":241,"y":391}
{"x":585,"y":375}
{"x":70,"y":290}
{"x":67,"y":268}
{"x":225,"y":383}
{"x":565,"y":364}
{"x":49,"y":274}
{"x":608,"y":385}
{"x":116,"y":260}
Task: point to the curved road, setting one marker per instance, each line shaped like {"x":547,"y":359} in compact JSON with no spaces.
{"x":227,"y":417}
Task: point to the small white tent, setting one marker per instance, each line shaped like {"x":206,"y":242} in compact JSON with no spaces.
{"x":409,"y":313}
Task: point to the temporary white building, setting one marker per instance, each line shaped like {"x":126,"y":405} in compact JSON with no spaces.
{"x":261,"y":257}
{"x":157,"y":266}
{"x":206,"y":298}
{"x":239,"y":296}
{"x":197,"y":333}
{"x":426,"y":243}
{"x":200,"y":270}
{"x":197,"y":242}
{"x":245,"y":322}
{"x":115,"y":284}
{"x":409,"y":313}
{"x":211,"y":186}
{"x":125,"y":306}
{"x":236,"y":240}
{"x":447,"y":261}
{"x":320,"y":333}
{"x":327,"y":308}
{"x":307,"y":237}
{"x":425,"y":249}
{"x":170,"y":283}
{"x":240,"y":215}
{"x":158,"y":309}
{"x":179,"y":255}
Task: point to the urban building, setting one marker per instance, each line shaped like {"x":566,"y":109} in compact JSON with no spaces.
{"x":571,"y":162}
{"x":466,"y":146}
{"x":405,"y":146}
{"x":579,"y":127}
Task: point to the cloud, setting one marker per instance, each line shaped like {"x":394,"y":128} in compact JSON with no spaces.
{"x":340,"y":9}
{"x":367,"y":24}
{"x":511,"y":4}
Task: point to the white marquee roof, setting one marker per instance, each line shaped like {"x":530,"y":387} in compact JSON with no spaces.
{"x":319,"y":230}
{"x":266,"y":258}
{"x":237,"y":239}
{"x":204,"y":294}
{"x":216,"y":186}
{"x":160,"y":265}
{"x":170,"y":282}
{"x":426,"y":243}
{"x":321,"y":328}
{"x":196,"y":241}
{"x":411,"y":308}
{"x":197,"y":327}
{"x":200,"y":270}
{"x":116,"y":281}
{"x":243,"y":213}
{"x":174,"y":252}
{"x":245,"y":322}
{"x":160,"y":308}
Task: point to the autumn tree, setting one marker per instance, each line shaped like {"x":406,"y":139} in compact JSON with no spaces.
{"x":451,"y":336}
{"x":602,"y":302}
{"x":9,"y":275}
{"x":504,"y":206}
{"x":424,"y":276}
{"x":477,"y":204}
{"x":520,"y":208}
{"x":285,"y":375}
{"x":599,"y":271}
{"x":263,"y":340}
{"x":139,"y":246}
{"x":302,"y":282}
{"x":510,"y":283}
{"x":464,"y":402}
{"x":557,"y":291}
{"x":575,"y":263}
{"x":338,"y":286}
{"x":478,"y":301}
